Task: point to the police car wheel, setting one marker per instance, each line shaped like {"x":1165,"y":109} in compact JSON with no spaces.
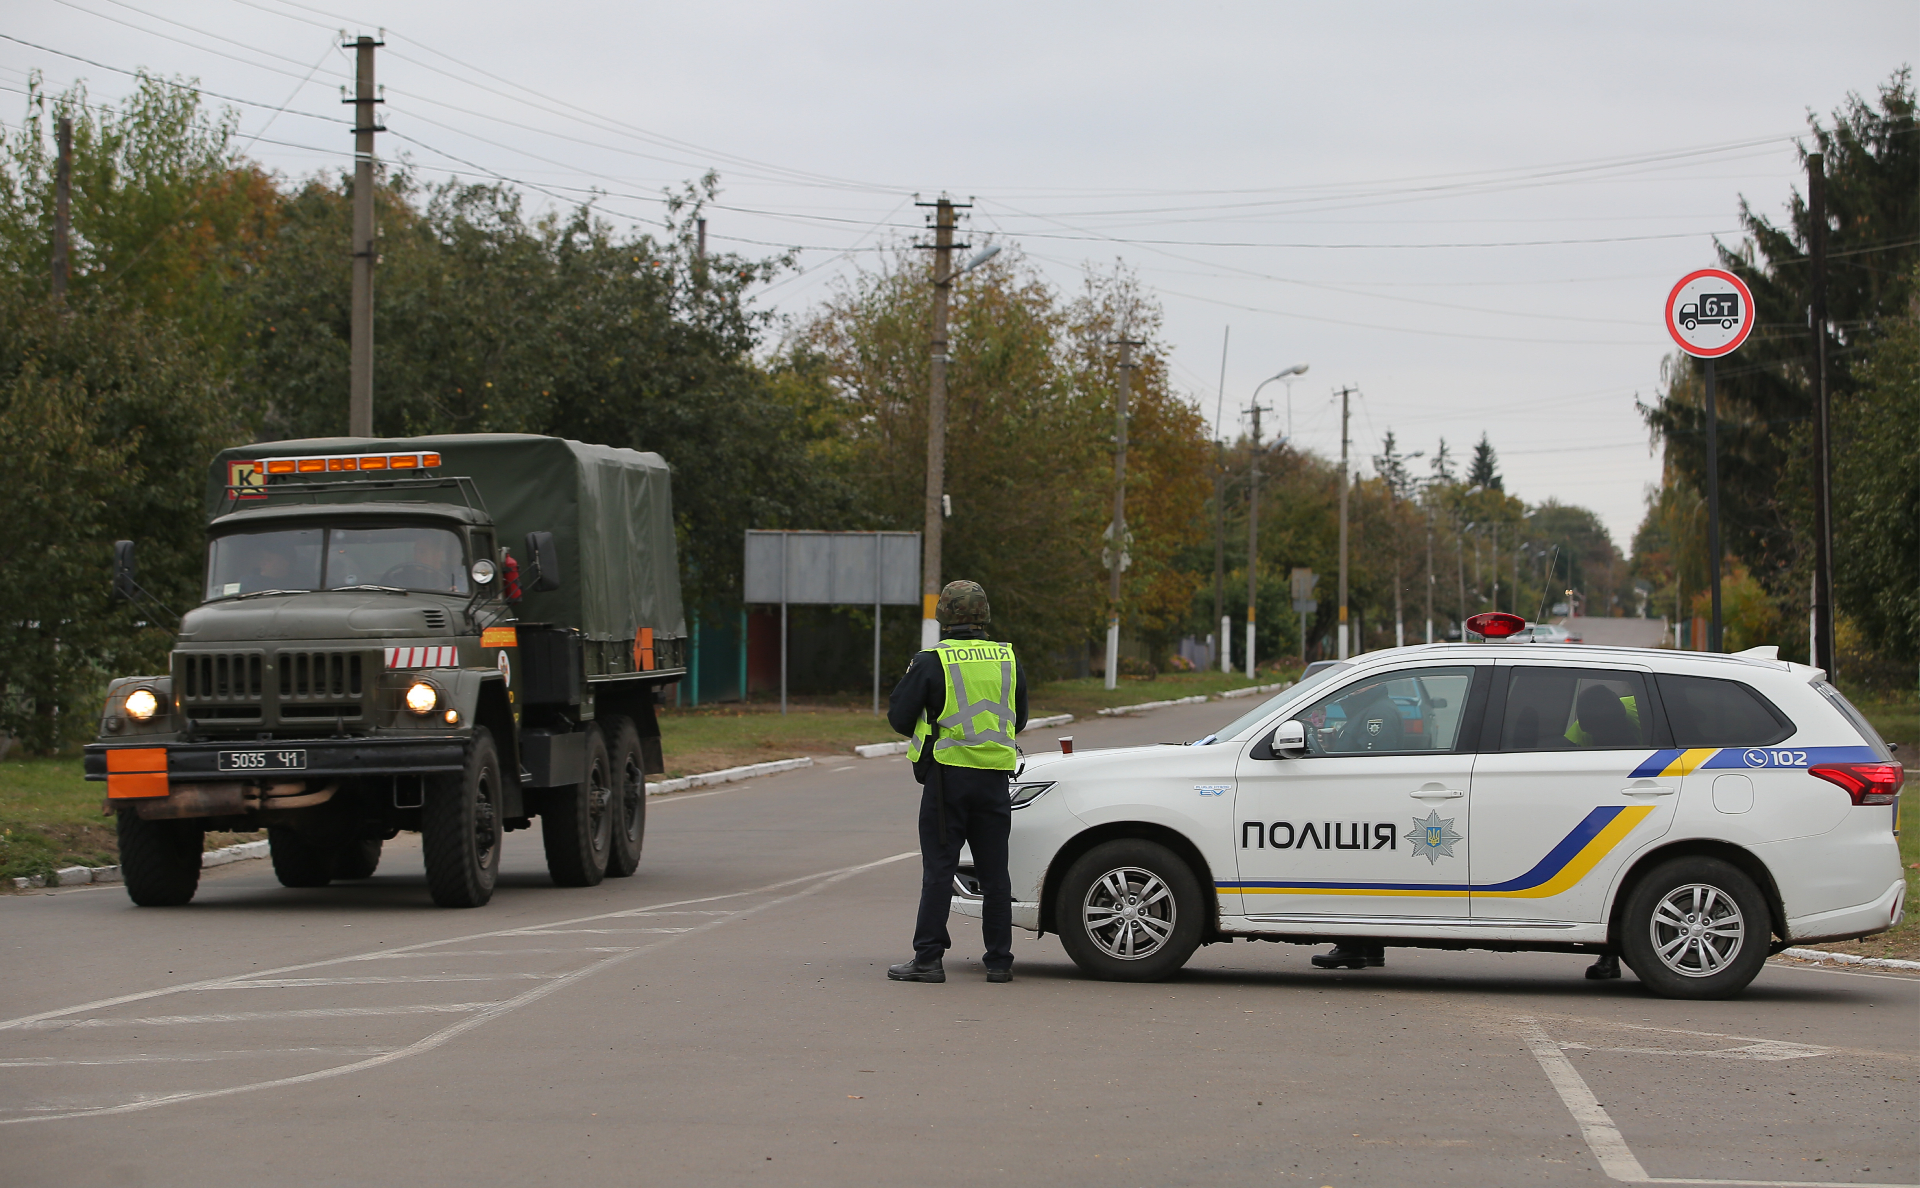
{"x":461,"y":828}
{"x":1129,"y":911}
{"x":1696,"y":928}
{"x":629,"y":797}
{"x":576,"y":826}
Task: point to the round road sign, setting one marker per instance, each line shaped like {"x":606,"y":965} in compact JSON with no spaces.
{"x":1710,"y":313}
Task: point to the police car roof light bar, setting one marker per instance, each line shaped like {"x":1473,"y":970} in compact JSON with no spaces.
{"x":1496,"y":624}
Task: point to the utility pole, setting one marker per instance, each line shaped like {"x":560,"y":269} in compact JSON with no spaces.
{"x":1117,"y":533}
{"x":62,"y":209}
{"x":1253,"y":531}
{"x":1823,"y":656}
{"x":700,"y":254}
{"x":1345,"y":408}
{"x":1220,"y":514}
{"x":365,"y":242}
{"x":1493,"y":567}
{"x":942,"y":246}
{"x":1429,"y":565}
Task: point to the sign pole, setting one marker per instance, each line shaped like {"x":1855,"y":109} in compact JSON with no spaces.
{"x":1713,"y":514}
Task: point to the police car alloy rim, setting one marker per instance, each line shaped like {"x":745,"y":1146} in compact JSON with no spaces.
{"x":1697,"y":930}
{"x":1129,"y":913}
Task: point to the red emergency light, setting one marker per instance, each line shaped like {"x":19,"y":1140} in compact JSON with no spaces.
{"x":1496,"y":624}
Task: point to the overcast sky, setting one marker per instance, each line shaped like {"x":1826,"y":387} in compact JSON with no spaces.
{"x":1471,"y":214}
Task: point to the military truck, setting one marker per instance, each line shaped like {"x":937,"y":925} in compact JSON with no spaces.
{"x":452,"y":634}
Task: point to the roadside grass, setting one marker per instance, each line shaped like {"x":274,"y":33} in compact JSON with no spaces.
{"x":50,"y":818}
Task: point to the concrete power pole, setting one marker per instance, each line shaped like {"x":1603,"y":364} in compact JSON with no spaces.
{"x":365,"y":241}
{"x":62,"y":209}
{"x":1345,"y":393}
{"x":1224,"y":647}
{"x":1823,"y":656}
{"x":942,"y":246}
{"x":1117,"y":558}
{"x":1253,"y":533}
{"x":1429,"y":566}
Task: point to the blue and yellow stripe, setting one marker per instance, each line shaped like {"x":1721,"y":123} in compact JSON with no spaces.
{"x":1596,"y":836}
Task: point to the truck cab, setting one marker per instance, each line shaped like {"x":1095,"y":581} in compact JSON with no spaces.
{"x":371,"y":656}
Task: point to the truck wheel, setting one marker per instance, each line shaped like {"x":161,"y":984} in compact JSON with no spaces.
{"x":460,"y":828}
{"x":629,"y":798}
{"x":577,"y":823}
{"x":357,"y":859}
{"x":1696,"y":927}
{"x":300,"y":859}
{"x":159,"y":860}
{"x":1129,"y":910}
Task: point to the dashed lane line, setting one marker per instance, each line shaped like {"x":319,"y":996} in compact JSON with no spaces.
{"x":419,"y":1008}
{"x":191,"y":1057}
{"x":376,"y":980}
{"x":815,"y":883}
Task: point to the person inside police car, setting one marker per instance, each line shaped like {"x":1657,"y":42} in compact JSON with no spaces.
{"x":961,"y":703}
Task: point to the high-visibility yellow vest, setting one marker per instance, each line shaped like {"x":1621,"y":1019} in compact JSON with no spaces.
{"x":1578,"y":736}
{"x":976,"y":724}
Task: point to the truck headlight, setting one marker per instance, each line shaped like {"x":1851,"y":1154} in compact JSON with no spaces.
{"x":1024,"y":794}
{"x":142,"y":705}
{"x":422,"y":697}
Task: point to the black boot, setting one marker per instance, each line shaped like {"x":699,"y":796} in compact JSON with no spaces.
{"x":1604,"y":968}
{"x":999,"y":975}
{"x":1347,"y":955}
{"x":917,"y":970}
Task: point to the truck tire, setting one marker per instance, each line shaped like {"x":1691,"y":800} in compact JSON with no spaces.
{"x":357,"y":859}
{"x":159,"y":860}
{"x":300,"y":859}
{"x":460,"y":828}
{"x":629,"y":797}
{"x":1129,"y":910}
{"x":576,"y":826}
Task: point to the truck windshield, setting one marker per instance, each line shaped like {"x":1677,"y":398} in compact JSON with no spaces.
{"x":410,"y":558}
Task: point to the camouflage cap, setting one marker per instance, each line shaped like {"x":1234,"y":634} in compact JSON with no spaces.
{"x":963,"y":602}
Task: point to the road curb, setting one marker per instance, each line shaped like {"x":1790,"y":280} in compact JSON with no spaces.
{"x":728,"y":775}
{"x":80,"y":876}
{"x":1822,"y":957}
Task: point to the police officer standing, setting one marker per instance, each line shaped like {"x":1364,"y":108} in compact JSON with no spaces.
{"x":962,"y":702}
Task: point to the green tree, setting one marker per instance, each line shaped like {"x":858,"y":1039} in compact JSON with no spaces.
{"x":1485,"y":468}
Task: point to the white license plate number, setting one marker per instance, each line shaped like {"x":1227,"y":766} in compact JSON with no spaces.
{"x":263,"y":760}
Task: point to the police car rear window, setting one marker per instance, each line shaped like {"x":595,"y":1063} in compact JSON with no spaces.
{"x":1575,"y":709}
{"x":1706,"y":712}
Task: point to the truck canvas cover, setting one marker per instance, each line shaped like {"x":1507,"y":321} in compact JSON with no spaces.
{"x":610,"y":511}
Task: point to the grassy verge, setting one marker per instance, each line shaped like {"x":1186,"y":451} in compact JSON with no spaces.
{"x":50,"y":818}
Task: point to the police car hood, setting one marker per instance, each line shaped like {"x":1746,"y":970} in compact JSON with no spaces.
{"x":323,"y":614}
{"x":1052,"y":765}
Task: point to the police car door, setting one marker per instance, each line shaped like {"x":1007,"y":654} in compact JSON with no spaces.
{"x":1369,"y":818}
{"x":1562,"y":794}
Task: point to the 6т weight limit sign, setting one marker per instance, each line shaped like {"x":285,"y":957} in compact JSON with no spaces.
{"x":1710,"y":313}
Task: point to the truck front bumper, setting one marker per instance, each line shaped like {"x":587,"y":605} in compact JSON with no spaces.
{"x":324,"y":759}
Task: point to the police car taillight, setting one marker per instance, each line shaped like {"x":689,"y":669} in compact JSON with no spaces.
{"x":1867,"y":783}
{"x":1496,"y":624}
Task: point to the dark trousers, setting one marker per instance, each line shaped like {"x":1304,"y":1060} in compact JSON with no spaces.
{"x":964,"y":805}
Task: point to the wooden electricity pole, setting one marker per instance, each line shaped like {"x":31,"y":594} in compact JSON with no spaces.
{"x":365,"y":243}
{"x":942,"y":245}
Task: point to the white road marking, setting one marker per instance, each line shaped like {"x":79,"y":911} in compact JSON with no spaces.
{"x":616,"y":931}
{"x":1764,"y":1050}
{"x":396,"y":979}
{"x":439,"y":953}
{"x":1604,"y":1138}
{"x":814,"y":883}
{"x":191,"y":1058}
{"x":423,"y":1008}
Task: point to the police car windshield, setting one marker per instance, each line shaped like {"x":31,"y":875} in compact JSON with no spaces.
{"x":1254,"y":716}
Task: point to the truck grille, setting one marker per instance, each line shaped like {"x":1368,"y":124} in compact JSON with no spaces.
{"x":306,"y":688}
{"x":310,"y":675}
{"x":218,"y":677}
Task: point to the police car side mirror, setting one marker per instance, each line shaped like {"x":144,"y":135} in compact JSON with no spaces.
{"x":1290,"y":739}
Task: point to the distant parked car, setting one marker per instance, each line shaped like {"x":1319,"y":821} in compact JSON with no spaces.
{"x":1552,"y":633}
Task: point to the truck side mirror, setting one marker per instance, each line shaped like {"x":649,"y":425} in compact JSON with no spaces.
{"x":1290,"y":739}
{"x":123,"y":584}
{"x":545,"y":559}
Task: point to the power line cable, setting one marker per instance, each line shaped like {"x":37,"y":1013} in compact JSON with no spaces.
{"x":151,"y":77}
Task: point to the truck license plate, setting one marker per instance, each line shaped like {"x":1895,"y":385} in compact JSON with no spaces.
{"x":262,"y":760}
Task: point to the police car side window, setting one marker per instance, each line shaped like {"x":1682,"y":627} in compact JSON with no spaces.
{"x":1403,"y":712}
{"x":1575,"y":709}
{"x":1707,"y":712}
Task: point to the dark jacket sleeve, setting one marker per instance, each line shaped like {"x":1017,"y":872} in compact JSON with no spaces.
{"x":915,"y":693}
{"x":1020,"y":700}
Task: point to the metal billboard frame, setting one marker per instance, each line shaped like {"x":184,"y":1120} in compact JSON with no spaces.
{"x":810,"y":568}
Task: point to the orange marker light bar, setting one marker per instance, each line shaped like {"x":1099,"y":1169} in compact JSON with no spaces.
{"x":335,"y":463}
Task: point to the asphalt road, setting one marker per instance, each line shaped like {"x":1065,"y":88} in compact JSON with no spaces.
{"x":722,"y":1017}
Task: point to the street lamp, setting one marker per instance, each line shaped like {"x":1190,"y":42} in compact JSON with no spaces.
{"x":1253,"y":511}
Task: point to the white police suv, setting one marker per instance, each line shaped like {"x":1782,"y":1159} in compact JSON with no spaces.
{"x":1690,"y":812}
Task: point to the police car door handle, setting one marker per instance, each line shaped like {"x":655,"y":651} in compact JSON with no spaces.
{"x":1646,"y":788}
{"x":1436,"y":792}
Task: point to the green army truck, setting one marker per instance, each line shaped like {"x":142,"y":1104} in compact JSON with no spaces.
{"x":451,"y":634}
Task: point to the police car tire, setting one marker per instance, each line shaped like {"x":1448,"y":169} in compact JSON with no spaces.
{"x":577,"y":833}
{"x":1637,"y":944}
{"x":299,"y":858}
{"x":1094,"y":865}
{"x":357,"y":859}
{"x":629,"y":770}
{"x":461,"y":828}
{"x":159,"y":860}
